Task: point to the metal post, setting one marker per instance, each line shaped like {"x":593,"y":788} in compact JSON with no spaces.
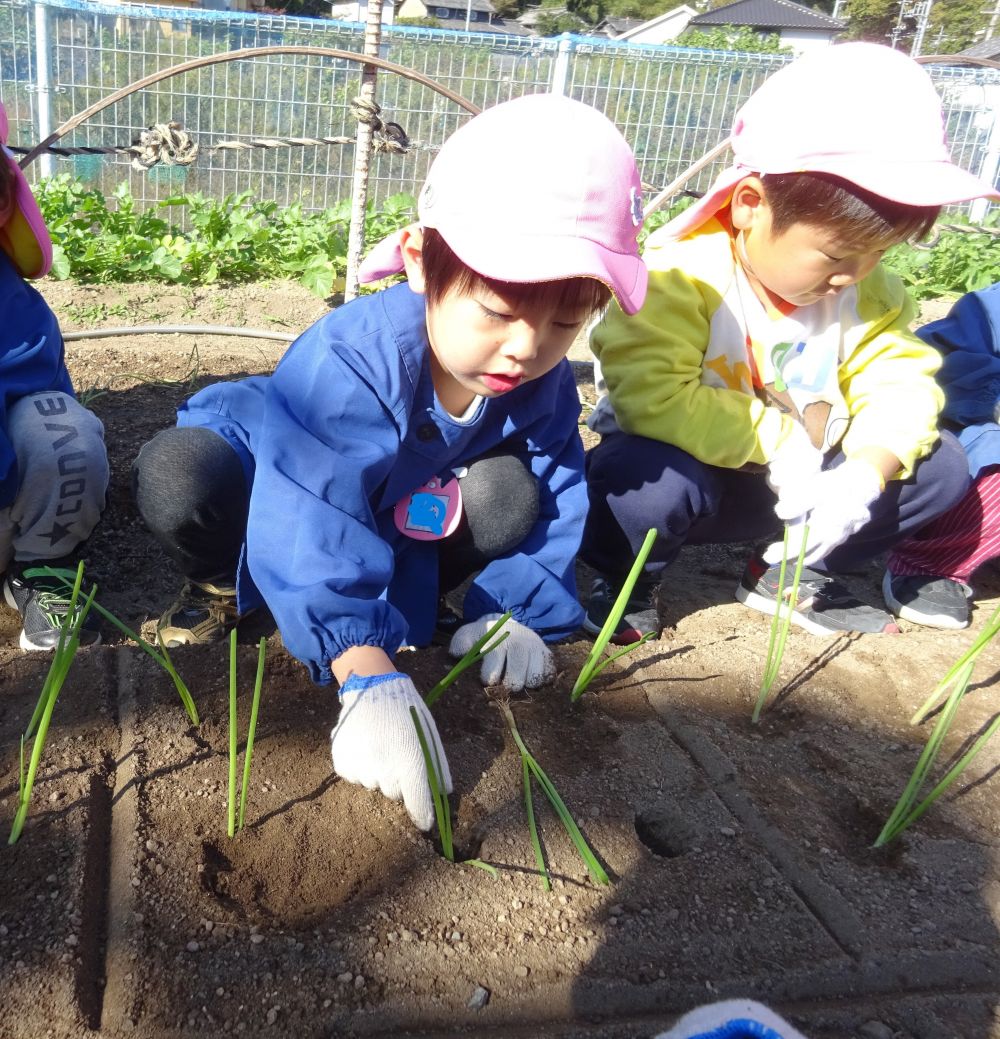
{"x":560,"y":68}
{"x":990,"y":168}
{"x":468,"y":14}
{"x":923,"y":18}
{"x":43,"y":81}
{"x":362,"y":153}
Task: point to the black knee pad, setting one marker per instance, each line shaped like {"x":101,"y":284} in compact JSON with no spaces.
{"x":500,"y":501}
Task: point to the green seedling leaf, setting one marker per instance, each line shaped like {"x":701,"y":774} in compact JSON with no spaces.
{"x":530,"y":764}
{"x":899,"y":818}
{"x":780,"y":624}
{"x":252,"y":730}
{"x":592,"y":666}
{"x":529,"y":807}
{"x":442,"y":810}
{"x":233,"y":738}
{"x":484,"y":866}
{"x":62,"y":659}
{"x":163,"y":659}
{"x":475,"y":654}
{"x":989,"y":631}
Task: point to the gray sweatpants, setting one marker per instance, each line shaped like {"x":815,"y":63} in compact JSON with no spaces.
{"x":63,"y":469}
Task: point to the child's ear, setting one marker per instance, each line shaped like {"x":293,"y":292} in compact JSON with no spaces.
{"x":411,"y":245}
{"x":748,"y":198}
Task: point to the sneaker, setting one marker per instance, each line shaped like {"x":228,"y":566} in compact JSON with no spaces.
{"x":640,"y":617}
{"x":202,"y":613}
{"x":824,"y":606}
{"x":43,"y":602}
{"x":935,"y":602}
{"x":447,"y":623}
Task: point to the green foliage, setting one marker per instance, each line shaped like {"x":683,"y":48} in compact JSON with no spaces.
{"x":733,"y":38}
{"x":958,"y":262}
{"x":194,"y":240}
{"x":425,"y":22}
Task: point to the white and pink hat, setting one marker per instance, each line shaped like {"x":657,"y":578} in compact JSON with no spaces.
{"x":859,"y":111}
{"x":23,"y":235}
{"x":541,"y":188}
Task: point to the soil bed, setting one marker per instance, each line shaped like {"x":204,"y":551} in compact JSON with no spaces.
{"x":739,"y":855}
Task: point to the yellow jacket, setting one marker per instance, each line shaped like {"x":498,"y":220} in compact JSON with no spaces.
{"x":702,"y":366}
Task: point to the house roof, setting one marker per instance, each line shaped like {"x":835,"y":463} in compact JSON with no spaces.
{"x":613,"y":24}
{"x":984,"y":49}
{"x":769,"y":14}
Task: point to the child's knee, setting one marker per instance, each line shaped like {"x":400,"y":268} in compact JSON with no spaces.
{"x":500,"y":500}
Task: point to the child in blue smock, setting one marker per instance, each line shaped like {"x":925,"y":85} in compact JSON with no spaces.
{"x":53,"y":464}
{"x":414,"y":437}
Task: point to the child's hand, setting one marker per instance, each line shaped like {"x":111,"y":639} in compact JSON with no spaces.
{"x":521,"y":661}
{"x":835,"y":503}
{"x":375,"y":743}
{"x":794,"y":462}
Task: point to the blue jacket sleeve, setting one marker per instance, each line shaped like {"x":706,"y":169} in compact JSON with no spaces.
{"x":969,"y":338}
{"x":326,"y":444}
{"x":537,"y":582}
{"x":31,"y":360}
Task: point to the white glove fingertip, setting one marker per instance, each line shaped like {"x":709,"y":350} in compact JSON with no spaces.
{"x":492,"y":670}
{"x":419,"y":804}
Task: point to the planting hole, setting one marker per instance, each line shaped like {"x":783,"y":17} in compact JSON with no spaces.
{"x":664,"y":833}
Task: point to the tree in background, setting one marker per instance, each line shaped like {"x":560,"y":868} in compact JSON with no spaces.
{"x":733,"y":38}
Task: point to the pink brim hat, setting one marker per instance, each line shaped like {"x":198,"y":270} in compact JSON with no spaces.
{"x":859,"y":111}
{"x":23,"y":235}
{"x":541,"y":188}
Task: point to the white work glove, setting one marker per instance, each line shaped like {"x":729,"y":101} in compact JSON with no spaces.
{"x":794,"y":463}
{"x":835,"y":504}
{"x":521,"y":661}
{"x":375,"y":743}
{"x":731,"y":1017}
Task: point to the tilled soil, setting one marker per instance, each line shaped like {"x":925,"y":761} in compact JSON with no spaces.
{"x":740,"y":856}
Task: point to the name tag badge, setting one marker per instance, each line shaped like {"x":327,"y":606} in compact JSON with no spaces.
{"x":431,"y":512}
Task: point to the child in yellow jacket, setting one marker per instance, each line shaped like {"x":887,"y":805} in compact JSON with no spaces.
{"x":771,"y":374}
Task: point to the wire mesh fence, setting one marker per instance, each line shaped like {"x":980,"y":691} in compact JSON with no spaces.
{"x":57,"y":57}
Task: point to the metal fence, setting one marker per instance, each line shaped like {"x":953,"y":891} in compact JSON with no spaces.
{"x":57,"y":57}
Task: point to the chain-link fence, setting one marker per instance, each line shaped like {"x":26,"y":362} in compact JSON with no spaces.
{"x":57,"y":57}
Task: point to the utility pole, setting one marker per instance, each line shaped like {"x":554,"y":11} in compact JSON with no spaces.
{"x":922,"y":12}
{"x":994,"y":20}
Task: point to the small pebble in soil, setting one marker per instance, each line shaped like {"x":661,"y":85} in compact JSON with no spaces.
{"x":521,"y":971}
{"x":727,"y":831}
{"x":193,"y":946}
{"x":875,"y":1030}
{"x":479,"y":998}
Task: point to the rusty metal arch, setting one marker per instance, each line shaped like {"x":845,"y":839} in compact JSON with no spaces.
{"x":249,"y":52}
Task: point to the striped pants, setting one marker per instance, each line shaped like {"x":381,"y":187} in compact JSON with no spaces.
{"x":959,"y":540}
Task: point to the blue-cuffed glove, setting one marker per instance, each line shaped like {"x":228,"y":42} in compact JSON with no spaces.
{"x":732,"y":1019}
{"x":375,"y":743}
{"x":521,"y":661}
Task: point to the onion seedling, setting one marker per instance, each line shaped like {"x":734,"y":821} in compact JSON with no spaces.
{"x":232,"y":825}
{"x":908,"y":810}
{"x":779,"y":624}
{"x":531,"y":768}
{"x":475,"y":654}
{"x":970,"y":656}
{"x":442,"y":810}
{"x":594,"y":665}
{"x":38,"y":726}
{"x":162,"y":659}
{"x":252,"y":730}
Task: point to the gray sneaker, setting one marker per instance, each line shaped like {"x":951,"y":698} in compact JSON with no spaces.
{"x":935,"y":602}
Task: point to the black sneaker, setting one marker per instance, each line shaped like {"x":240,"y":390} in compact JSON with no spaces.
{"x":824,"y":607}
{"x":640,"y":618}
{"x":447,"y":623}
{"x":936,"y":602}
{"x":43,"y":602}
{"x":202,"y":613}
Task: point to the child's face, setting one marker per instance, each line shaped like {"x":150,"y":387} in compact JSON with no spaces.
{"x":803,"y":263}
{"x":484,"y":344}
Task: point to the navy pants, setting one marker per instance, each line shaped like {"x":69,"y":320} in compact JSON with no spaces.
{"x":635,"y":483}
{"x":191,"y":491}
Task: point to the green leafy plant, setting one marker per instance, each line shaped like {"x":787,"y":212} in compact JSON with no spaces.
{"x":38,"y":726}
{"x":231,"y":816}
{"x":780,"y":623}
{"x":162,"y":658}
{"x":531,"y":769}
{"x":193,"y":240}
{"x":594,"y":665}
{"x":476,"y":653}
{"x":908,"y":808}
